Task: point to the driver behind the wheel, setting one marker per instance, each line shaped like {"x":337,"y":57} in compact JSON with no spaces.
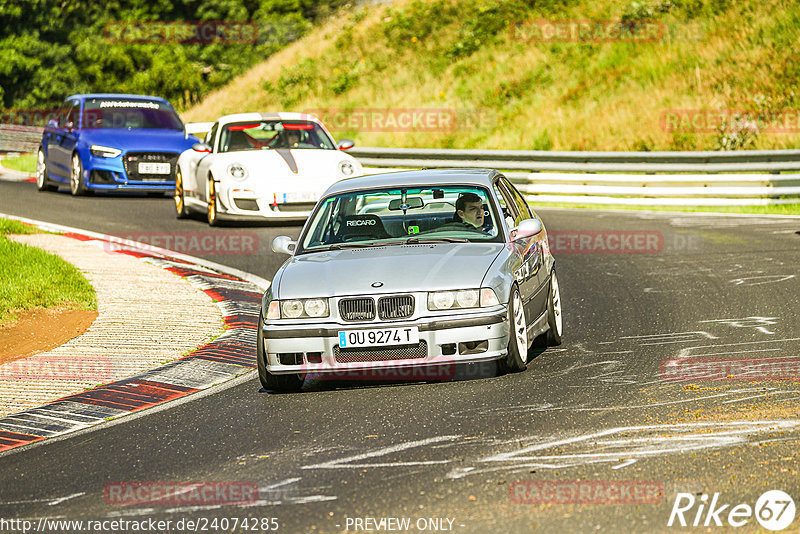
{"x":292,"y":138}
{"x":469,"y":210}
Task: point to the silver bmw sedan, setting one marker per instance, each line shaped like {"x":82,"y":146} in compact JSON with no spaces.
{"x":416,"y":269}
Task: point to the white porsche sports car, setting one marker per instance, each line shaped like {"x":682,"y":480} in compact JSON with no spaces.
{"x":261,"y":166}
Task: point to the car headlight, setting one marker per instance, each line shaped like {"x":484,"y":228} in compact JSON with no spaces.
{"x":101,"y":151}
{"x":298,"y":309}
{"x":346,"y":168}
{"x":461,"y":299}
{"x":237,"y":171}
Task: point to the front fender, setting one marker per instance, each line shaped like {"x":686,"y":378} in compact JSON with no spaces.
{"x":187,"y":163}
{"x":500,"y":277}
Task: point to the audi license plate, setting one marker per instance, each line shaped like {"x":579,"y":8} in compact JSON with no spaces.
{"x":379,"y":337}
{"x":153,"y":168}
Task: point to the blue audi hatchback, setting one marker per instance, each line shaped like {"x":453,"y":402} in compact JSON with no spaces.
{"x":111,"y":142}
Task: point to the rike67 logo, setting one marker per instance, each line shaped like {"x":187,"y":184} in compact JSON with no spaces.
{"x":774,"y":510}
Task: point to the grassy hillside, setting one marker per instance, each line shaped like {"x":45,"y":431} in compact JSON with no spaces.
{"x":510,"y":92}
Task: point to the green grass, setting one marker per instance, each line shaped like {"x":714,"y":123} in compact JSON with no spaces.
{"x":8,"y":226}
{"x":782,"y":209}
{"x":24,"y":163}
{"x":31,"y":278}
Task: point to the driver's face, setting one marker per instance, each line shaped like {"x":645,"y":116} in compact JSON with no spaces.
{"x":472,"y":214}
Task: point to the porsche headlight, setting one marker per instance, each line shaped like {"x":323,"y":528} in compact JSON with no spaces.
{"x":101,"y":151}
{"x":237,"y":171}
{"x":346,"y":168}
{"x":461,"y":299}
{"x":298,"y":309}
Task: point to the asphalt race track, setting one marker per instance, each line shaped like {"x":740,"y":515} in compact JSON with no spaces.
{"x":479,"y":453}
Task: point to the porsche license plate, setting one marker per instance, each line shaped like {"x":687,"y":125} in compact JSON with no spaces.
{"x":154,"y":168}
{"x":379,"y":337}
{"x":288,"y":198}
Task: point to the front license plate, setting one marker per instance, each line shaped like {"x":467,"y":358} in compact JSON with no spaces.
{"x":379,"y":337}
{"x":287,"y":198}
{"x":154,"y":168}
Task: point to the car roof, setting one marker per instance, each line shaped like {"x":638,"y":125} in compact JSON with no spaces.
{"x":282,"y":115}
{"x":421,"y":178}
{"x":117,"y":95}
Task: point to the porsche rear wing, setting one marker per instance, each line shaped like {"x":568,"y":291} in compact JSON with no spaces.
{"x":194,"y":128}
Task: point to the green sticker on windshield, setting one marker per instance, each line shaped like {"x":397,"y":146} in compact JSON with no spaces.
{"x":413,"y":230}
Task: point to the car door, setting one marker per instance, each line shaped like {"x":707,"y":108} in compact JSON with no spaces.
{"x":537,"y":267}
{"x":64,"y":139}
{"x":526,"y":262}
{"x":53,"y":139}
{"x":203,"y":164}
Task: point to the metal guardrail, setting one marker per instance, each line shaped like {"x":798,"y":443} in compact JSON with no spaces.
{"x":696,"y":178}
{"x":746,"y":177}
{"x":579,"y":157}
{"x":19,"y":138}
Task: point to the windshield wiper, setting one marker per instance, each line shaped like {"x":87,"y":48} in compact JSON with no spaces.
{"x":340,"y":246}
{"x":429,"y":240}
{"x":357,"y":244}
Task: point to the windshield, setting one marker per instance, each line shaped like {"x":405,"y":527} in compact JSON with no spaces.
{"x":133,"y":113}
{"x":402,"y":216}
{"x":268,"y":134}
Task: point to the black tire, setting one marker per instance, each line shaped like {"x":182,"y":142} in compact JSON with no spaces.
{"x":517,"y":358}
{"x":554,"y":318}
{"x":179,"y":198}
{"x":276,"y":383}
{"x":76,"y":185}
{"x":211,"y":202}
{"x":42,"y":181}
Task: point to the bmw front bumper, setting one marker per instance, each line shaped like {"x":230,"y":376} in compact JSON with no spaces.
{"x":443,"y":341}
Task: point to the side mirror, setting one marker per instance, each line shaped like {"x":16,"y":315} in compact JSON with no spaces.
{"x":526,"y":228}
{"x":346,"y":144}
{"x":201,"y":147}
{"x":284,"y":244}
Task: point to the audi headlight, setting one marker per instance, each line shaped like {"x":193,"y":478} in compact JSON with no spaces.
{"x":237,"y":171}
{"x":461,"y":299}
{"x":298,"y":309}
{"x":101,"y":151}
{"x":346,"y":168}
